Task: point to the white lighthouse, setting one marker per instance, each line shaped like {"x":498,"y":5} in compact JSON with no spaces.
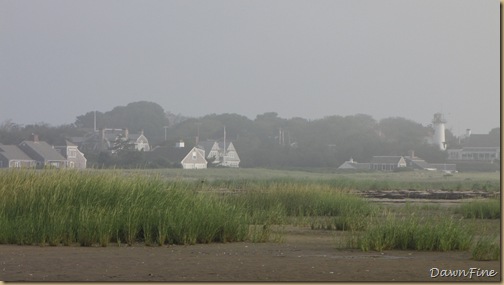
{"x":439,"y":131}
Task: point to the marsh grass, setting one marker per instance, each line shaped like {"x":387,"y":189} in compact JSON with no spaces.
{"x":96,"y":208}
{"x":481,"y":209}
{"x":486,"y":248}
{"x":321,"y":205}
{"x":414,"y":233}
{"x":52,"y":207}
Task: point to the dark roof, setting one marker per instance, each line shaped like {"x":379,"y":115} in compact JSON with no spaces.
{"x":477,"y":140}
{"x":43,"y":149}
{"x":386,"y":159}
{"x":13,"y":152}
{"x":170,"y":153}
{"x":417,"y":162}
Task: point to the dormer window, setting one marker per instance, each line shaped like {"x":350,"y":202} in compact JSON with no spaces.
{"x":72,"y":153}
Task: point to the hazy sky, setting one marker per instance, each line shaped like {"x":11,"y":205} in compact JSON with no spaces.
{"x":310,"y":59}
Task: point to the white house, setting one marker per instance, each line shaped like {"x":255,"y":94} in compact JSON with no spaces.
{"x":220,"y":154}
{"x":195,"y":159}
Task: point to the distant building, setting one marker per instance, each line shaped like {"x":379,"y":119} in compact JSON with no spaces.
{"x":75,"y":158}
{"x":220,"y":154}
{"x":105,"y":139}
{"x":12,"y":156}
{"x":387,"y":163}
{"x":44,"y":154}
{"x":415,"y":162}
{"x":195,"y":159}
{"x":476,"y":148}
{"x":351,"y":164}
{"x":178,"y":156}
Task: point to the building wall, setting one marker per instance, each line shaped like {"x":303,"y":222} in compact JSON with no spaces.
{"x":14,"y":163}
{"x":474,"y":154}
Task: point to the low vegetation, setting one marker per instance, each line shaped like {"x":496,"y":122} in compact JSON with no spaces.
{"x":53,"y":207}
{"x":65,"y":207}
{"x":486,"y":248}
{"x":481,"y":209}
{"x":415,"y":233}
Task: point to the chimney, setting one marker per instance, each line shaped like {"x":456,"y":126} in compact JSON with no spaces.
{"x":126,"y":133}
{"x":412,"y":153}
{"x":468,"y":133}
{"x":35,"y":138}
{"x":180,"y":144}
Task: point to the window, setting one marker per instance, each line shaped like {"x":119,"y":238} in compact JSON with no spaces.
{"x":194,"y":155}
{"x":72,"y":153}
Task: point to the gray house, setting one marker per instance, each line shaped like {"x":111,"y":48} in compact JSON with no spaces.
{"x":75,"y":158}
{"x":43,"y":154}
{"x":12,"y":156}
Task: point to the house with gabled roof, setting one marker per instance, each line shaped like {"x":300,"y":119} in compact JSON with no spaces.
{"x":11,"y":156}
{"x":211,"y":150}
{"x":221,"y":154}
{"x":178,"y":156}
{"x":195,"y":159}
{"x":44,"y":154}
{"x":229,"y":155}
{"x":75,"y":158}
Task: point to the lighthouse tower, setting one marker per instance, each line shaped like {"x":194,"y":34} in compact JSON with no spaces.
{"x":439,"y":131}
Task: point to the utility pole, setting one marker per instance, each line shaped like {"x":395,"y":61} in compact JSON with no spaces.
{"x":224,"y":140}
{"x":198,"y":124}
{"x":165,"y":127}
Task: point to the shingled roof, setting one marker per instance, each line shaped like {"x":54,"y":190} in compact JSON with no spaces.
{"x":12,"y":152}
{"x":481,"y":140}
{"x":386,"y":159}
{"x":41,"y":150}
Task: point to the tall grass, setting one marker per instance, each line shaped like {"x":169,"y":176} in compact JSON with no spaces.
{"x":481,"y":209}
{"x":324,"y":206}
{"x":96,"y":208}
{"x":64,"y":207}
{"x":414,"y":233}
{"x":486,"y":248}
{"x":52,"y":207}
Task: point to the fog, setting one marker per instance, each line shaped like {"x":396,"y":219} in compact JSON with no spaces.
{"x":310,"y":59}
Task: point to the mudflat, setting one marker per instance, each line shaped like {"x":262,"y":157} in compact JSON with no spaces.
{"x":302,"y":255}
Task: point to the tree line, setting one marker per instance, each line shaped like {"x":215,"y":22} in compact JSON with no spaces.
{"x":265,"y":141}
